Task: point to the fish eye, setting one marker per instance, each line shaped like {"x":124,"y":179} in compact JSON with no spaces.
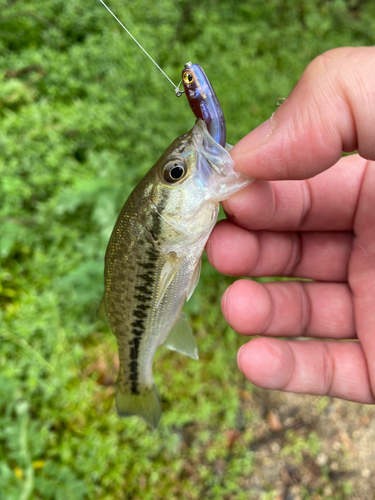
{"x":187,"y":77}
{"x":174,"y":171}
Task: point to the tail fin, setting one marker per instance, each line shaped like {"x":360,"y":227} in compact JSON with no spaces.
{"x":145,"y":405}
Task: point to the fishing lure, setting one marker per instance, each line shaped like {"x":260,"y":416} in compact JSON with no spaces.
{"x":203,"y":101}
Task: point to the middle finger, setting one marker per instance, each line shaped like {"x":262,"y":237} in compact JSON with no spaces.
{"x":322,"y":256}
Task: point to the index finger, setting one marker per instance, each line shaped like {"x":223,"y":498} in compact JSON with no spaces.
{"x":331,"y":109}
{"x":325,"y":202}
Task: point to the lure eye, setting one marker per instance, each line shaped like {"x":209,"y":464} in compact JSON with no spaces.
{"x":188,"y":77}
{"x":174,"y":171}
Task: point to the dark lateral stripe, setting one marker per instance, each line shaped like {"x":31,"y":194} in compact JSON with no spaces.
{"x":147,"y":265}
{"x":143,"y":306}
{"x":140,"y":314}
{"x":134,"y":350}
{"x":144,"y":290}
{"x":144,"y":296}
{"x":136,"y":344}
{"x":138,"y":323}
{"x":148,"y":278}
{"x":137,"y":332}
{"x":152,"y":254}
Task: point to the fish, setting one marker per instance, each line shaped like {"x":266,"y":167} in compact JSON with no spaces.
{"x":153,"y":260}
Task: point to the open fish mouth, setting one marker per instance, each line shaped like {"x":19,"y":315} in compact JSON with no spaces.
{"x":217,"y":157}
{"x":214,"y":164}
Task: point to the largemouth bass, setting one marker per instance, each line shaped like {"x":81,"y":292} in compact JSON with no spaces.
{"x":153,"y":260}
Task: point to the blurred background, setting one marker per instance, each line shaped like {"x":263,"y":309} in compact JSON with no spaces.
{"x":84,"y":114}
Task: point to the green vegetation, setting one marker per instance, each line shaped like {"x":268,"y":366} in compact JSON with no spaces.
{"x":83,"y":116}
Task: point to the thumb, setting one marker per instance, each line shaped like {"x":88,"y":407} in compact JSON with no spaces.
{"x":331,"y":110}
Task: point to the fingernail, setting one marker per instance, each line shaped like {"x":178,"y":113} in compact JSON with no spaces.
{"x":242,"y":348}
{"x":208,"y":246}
{"x":254,"y":138}
{"x":261,"y":133}
{"x":224,"y":303}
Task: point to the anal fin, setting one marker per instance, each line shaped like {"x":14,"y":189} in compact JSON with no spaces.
{"x":181,"y":338}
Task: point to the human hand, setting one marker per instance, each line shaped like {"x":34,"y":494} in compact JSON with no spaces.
{"x":322,"y":228}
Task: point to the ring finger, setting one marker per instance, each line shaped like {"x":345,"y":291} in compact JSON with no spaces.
{"x":290,"y":309}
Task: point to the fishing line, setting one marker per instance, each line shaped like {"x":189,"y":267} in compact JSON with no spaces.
{"x":177,"y":91}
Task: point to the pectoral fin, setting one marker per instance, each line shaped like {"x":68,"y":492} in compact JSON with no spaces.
{"x":181,"y":338}
{"x":167,"y":274}
{"x":194,"y":280}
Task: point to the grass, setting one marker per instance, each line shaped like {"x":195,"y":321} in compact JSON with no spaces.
{"x":83,"y":116}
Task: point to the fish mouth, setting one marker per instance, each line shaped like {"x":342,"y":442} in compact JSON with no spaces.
{"x":217,"y":156}
{"x":212,"y":159}
{"x":215,"y":167}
